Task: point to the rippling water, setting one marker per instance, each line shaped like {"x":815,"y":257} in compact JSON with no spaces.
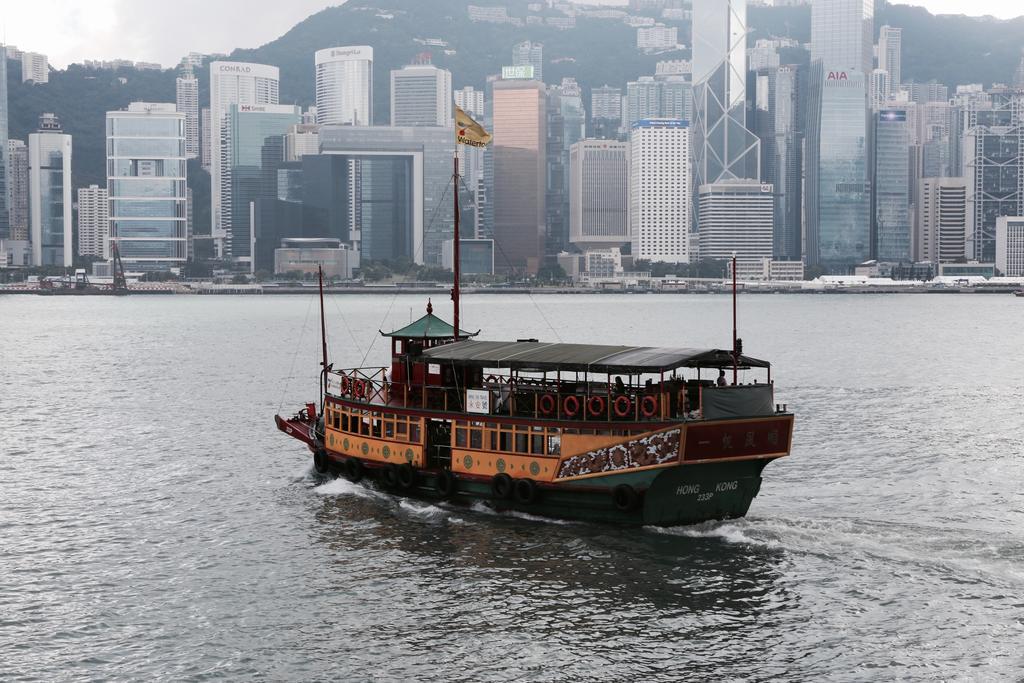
{"x":154,"y":524}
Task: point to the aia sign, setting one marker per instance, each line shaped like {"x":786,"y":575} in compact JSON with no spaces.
{"x":837,"y":76}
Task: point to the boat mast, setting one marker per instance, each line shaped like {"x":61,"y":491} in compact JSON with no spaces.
{"x":735,"y":348}
{"x":456,"y":265}
{"x":323,"y":331}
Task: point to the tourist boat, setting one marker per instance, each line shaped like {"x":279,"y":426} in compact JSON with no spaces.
{"x":634,"y":435}
{"x":1019,"y":293}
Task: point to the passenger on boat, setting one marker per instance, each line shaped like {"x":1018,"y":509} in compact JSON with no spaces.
{"x":620,"y":388}
{"x":721,"y":378}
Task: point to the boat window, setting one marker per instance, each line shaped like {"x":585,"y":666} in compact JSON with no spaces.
{"x":389,"y":429}
{"x":476,"y":438}
{"x":460,"y":437}
{"x":506,"y":441}
{"x":364,"y":426}
{"x":344,"y":421}
{"x":401,"y":427}
{"x":522,"y":442}
{"x":376,"y":427}
{"x":554,"y":444}
{"x":493,"y":440}
{"x":537,"y":444}
{"x":414,"y":431}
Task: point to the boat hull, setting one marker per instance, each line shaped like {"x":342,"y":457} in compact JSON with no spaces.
{"x":678,"y":495}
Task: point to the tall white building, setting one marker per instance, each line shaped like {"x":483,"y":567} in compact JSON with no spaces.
{"x":942,"y":220}
{"x":879,"y":89}
{"x":470,"y":100}
{"x":530,"y":54}
{"x":659,"y":190}
{"x":17,"y":188}
{"x":49,"y":190}
{"x":34,"y":67}
{"x":146,"y":185}
{"x":238,"y":83}
{"x":890,"y":48}
{"x":204,"y":138}
{"x":736,"y":217}
{"x":301,"y":139}
{"x":93,"y":215}
{"x":187,"y":100}
{"x":344,"y":85}
{"x":471,"y":159}
{"x":1010,"y":246}
{"x":421,"y":95}
{"x":599,"y":184}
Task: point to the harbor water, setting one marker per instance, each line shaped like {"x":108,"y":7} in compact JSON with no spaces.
{"x":155,"y":525}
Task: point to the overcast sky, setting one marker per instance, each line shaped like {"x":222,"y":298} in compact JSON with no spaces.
{"x":164,"y":30}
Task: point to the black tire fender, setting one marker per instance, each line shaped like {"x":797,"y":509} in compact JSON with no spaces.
{"x":501,"y":486}
{"x":446,"y":484}
{"x":526,"y":491}
{"x":625,"y":498}
{"x":354,"y":469}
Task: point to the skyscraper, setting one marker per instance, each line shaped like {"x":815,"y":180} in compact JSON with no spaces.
{"x":254,"y":140}
{"x":49,"y":182}
{"x":605,"y":112}
{"x":344,"y":85}
{"x":838,"y":186}
{"x":232,"y":83}
{"x":736,"y":218}
{"x":530,"y":54}
{"x":520,"y":173}
{"x":35,"y":68}
{"x":204,"y":138}
{"x":643,"y":99}
{"x":892,"y":194}
{"x":776,"y":121}
{"x":5,"y":226}
{"x":942,"y":206}
{"x":187,"y":100}
{"x":146,"y":182}
{"x":842,"y":34}
{"x":993,"y":158}
{"x":890,"y":49}
{"x":93,"y":221}
{"x":599,"y":194}
{"x":471,"y":101}
{"x":17,"y":185}
{"x":659,"y":190}
{"x":723,"y":147}
{"x":421,"y":95}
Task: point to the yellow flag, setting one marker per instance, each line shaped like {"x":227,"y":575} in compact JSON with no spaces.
{"x":468,"y":131}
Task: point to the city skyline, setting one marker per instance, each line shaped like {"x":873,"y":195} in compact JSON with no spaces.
{"x":67,"y":32}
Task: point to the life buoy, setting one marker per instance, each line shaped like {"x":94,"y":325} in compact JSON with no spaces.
{"x":546,"y":404}
{"x":501,"y":486}
{"x":359,"y":388}
{"x":346,"y":385}
{"x":354,"y":469}
{"x":571,"y":406}
{"x":491,"y":379}
{"x":648,"y":406}
{"x":622,"y":406}
{"x":526,"y":491}
{"x":446,"y":484}
{"x":625,"y":498}
{"x":406,"y":476}
{"x":595,"y":406}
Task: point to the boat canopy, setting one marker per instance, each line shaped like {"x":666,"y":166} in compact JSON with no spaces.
{"x":428,"y":327}
{"x":533,"y":355}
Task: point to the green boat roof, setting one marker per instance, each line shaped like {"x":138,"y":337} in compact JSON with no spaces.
{"x":429,"y":327}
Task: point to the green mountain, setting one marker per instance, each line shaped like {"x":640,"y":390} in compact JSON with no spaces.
{"x":950,"y":49}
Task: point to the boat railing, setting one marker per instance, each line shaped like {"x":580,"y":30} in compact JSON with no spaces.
{"x":364,"y":384}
